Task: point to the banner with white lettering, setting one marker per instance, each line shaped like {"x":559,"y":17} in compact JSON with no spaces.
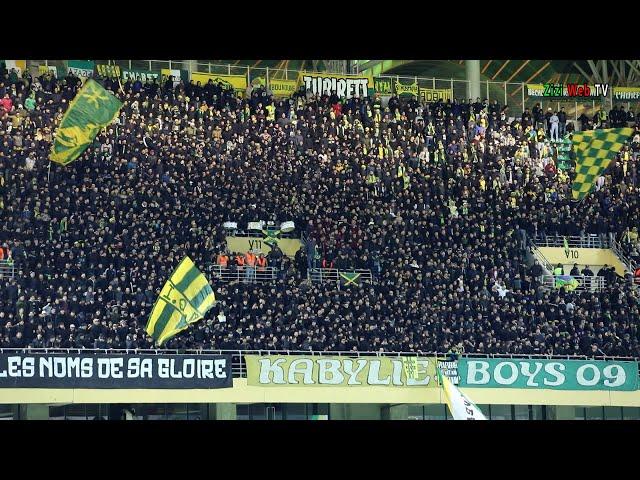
{"x":548,"y":374}
{"x":333,"y":371}
{"x":344,"y":86}
{"x":449,"y":369}
{"x":24,"y":370}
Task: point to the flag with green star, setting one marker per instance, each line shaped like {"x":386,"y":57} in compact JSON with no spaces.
{"x":93,"y":109}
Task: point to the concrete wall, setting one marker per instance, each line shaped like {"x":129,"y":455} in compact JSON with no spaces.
{"x":242,"y":393}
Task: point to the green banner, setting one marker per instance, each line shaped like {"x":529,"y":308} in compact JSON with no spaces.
{"x":142,"y":75}
{"x":383,"y":86}
{"x":548,"y":374}
{"x":332,"y":371}
{"x":81,"y":68}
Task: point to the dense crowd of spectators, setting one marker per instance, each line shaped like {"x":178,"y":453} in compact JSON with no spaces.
{"x":437,"y":199}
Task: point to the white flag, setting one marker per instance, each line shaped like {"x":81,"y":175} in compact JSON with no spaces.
{"x":460,"y":406}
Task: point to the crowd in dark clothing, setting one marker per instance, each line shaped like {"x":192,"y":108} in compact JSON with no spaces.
{"x":435,"y":198}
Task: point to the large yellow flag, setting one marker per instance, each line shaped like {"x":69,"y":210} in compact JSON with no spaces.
{"x":184,"y":299}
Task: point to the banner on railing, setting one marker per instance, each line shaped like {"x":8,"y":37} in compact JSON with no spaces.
{"x":105,"y":70}
{"x":436,"y":94}
{"x":383,"y":86}
{"x":345,"y":86}
{"x":177,"y":75}
{"x":22,"y":370}
{"x":626,"y":94}
{"x":406,"y":88}
{"x":289,"y":246}
{"x":400,"y":87}
{"x":559,"y":91}
{"x":81,"y":68}
{"x":279,"y":86}
{"x":449,"y":369}
{"x":282,"y":88}
{"x":142,"y":75}
{"x":43,"y":69}
{"x":237,"y":82}
{"x":548,"y":374}
{"x":334,"y":371}
{"x":19,"y":66}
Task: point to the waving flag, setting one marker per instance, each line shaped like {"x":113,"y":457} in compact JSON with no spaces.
{"x":594,"y":151}
{"x":568,"y":282}
{"x":93,"y":109}
{"x":185,"y":298}
{"x":460,"y":406}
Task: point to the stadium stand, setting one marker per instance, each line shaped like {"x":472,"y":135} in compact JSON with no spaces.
{"x":439,"y":202}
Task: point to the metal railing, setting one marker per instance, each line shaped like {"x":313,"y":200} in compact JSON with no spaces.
{"x":542,"y":260}
{"x":574,"y":241}
{"x":7,"y":269}
{"x":585,"y":283}
{"x":243,"y":274}
{"x":324,"y":275}
{"x":239,"y":367}
{"x":256,"y":233}
{"x":629,"y":264}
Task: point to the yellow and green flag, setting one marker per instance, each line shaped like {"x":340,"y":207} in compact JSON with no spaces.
{"x":271,"y":236}
{"x":594,"y":151}
{"x":349,"y":278}
{"x":184,"y":299}
{"x":567,"y":281}
{"x":93,"y":109}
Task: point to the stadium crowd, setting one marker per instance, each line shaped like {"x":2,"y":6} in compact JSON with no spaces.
{"x":438,"y":200}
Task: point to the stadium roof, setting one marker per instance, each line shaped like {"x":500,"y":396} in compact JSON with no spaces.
{"x":617,"y":72}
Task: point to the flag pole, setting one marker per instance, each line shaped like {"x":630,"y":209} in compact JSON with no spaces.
{"x":439,"y":384}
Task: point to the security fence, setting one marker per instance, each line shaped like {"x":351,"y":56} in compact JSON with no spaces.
{"x":344,"y":277}
{"x":575,"y":282}
{"x":574,"y":241}
{"x":7,"y":269}
{"x":243,"y":274}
